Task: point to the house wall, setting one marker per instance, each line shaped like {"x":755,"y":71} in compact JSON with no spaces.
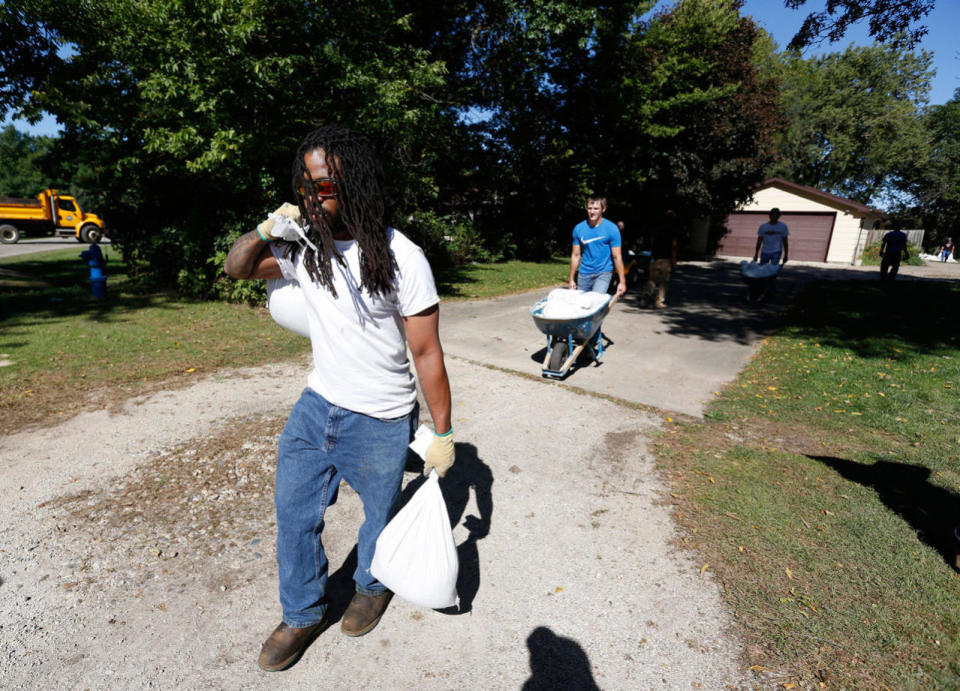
{"x":846,"y":229}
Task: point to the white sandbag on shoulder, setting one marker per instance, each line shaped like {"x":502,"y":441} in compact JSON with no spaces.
{"x":287,"y":305}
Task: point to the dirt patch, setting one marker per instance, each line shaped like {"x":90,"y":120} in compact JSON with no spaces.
{"x":186,"y":505}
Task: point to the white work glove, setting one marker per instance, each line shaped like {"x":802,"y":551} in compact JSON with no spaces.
{"x":282,"y":224}
{"x":440,"y":454}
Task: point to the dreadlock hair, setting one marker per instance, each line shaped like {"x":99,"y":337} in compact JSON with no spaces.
{"x":364,"y":212}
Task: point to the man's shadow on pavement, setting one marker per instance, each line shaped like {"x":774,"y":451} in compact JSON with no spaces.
{"x":557,"y":663}
{"x":933,"y":512}
{"x":468,"y":472}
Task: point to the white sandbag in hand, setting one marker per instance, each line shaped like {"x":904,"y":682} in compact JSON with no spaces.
{"x":416,"y":557}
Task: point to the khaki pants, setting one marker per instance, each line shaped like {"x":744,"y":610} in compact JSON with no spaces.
{"x":659,"y":277}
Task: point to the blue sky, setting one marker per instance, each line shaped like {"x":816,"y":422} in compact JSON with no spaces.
{"x":943,"y":26}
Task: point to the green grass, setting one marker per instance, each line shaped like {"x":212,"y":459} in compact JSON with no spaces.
{"x":67,"y":351}
{"x":491,"y":280}
{"x":824,"y":486}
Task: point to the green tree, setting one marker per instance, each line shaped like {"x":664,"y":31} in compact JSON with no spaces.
{"x":183,"y":115}
{"x":936,"y":188}
{"x":669,"y":111}
{"x":179,"y":117}
{"x":20,"y":171}
{"x":703,"y":118}
{"x":888,"y":20}
{"x":854,"y":125}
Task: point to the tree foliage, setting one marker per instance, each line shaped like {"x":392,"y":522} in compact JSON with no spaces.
{"x":854,"y":119}
{"x":669,"y":111}
{"x":180,"y":117}
{"x":21,"y":174}
{"x":185,"y":113}
{"x":936,"y":188}
{"x":887,"y":20}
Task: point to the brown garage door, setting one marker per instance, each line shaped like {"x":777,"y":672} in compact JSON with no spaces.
{"x":809,"y":234}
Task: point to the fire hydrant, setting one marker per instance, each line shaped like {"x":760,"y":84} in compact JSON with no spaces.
{"x":98,"y":278}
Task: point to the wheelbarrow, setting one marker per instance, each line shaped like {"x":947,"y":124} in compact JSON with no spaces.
{"x":760,"y":280}
{"x":568,"y":338}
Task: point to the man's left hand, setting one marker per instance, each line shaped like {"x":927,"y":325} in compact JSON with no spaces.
{"x":440,"y":454}
{"x":621,"y":287}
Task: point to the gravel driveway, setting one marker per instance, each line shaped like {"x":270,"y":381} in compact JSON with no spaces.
{"x":138,"y":551}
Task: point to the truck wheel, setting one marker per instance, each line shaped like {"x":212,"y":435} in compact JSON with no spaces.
{"x":90,"y":233}
{"x":9,"y":234}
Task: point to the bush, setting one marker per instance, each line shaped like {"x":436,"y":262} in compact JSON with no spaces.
{"x":232,"y":289}
{"x":871,"y":255}
{"x":449,"y":240}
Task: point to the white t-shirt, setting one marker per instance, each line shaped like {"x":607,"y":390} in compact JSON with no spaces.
{"x":773,"y":235}
{"x":359,"y":344}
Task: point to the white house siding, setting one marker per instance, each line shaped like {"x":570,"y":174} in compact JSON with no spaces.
{"x":846,"y":228}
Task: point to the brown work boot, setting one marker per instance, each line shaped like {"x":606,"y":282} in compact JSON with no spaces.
{"x":364,"y":613}
{"x":286,"y":644}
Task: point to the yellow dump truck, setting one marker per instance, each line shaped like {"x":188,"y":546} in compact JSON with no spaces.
{"x":50,"y":212}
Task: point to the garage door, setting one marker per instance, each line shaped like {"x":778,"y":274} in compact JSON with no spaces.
{"x":809,"y":234}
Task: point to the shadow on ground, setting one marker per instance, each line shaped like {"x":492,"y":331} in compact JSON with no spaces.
{"x":932,"y":511}
{"x":708,"y":300}
{"x":894,"y":321}
{"x":557,"y":663}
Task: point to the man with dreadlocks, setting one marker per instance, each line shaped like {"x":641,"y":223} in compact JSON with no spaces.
{"x":369,"y":294}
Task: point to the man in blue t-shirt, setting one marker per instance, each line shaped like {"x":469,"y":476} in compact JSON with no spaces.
{"x":892,"y":247}
{"x":596,"y":251}
{"x":773,"y":238}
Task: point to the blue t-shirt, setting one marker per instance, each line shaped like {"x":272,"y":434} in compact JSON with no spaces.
{"x":595,"y":245}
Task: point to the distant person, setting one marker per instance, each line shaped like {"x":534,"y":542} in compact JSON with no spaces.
{"x":946,"y":249}
{"x":663,"y":257}
{"x":772,"y":240}
{"x":596,"y":251}
{"x":892,"y":248}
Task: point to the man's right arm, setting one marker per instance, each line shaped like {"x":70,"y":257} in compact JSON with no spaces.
{"x":756,"y":251}
{"x":574,"y":263}
{"x":251,"y":258}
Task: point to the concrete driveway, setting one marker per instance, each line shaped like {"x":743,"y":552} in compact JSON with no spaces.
{"x":672,"y":359}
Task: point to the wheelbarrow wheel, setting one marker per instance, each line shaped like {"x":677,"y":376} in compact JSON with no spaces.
{"x":558,"y":355}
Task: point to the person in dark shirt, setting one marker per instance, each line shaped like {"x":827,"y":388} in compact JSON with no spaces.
{"x":946,"y":249}
{"x":892,"y":248}
{"x":663,"y":257}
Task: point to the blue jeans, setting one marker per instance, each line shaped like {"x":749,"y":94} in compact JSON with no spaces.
{"x":320,"y":445}
{"x":770,"y":257}
{"x":598,"y":283}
